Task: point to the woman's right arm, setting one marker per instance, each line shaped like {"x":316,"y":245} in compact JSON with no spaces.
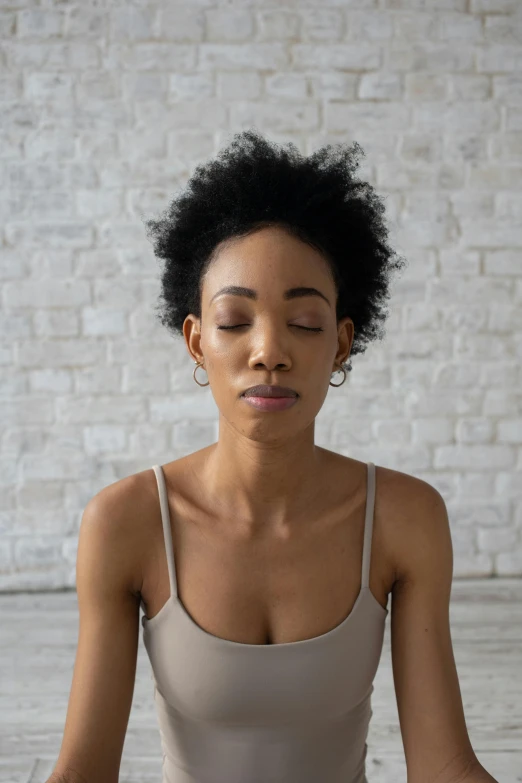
{"x":105,"y":668}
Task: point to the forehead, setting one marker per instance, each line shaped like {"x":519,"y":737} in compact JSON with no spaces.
{"x":269,"y":261}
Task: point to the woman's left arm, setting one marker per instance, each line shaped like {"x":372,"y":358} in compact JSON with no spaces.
{"x":431,"y":714}
{"x":479,"y":775}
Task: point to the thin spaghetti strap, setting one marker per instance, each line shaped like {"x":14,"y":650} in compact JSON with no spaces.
{"x":167,"y":533}
{"x":368,"y":524}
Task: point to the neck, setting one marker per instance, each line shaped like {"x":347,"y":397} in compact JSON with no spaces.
{"x":262,"y":485}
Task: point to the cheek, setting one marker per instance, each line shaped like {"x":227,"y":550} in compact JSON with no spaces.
{"x":216,"y":349}
{"x":225,"y":366}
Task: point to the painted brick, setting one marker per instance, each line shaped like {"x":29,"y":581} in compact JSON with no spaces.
{"x":106,"y":111}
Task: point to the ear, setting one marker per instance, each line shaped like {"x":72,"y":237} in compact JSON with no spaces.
{"x":192,"y":335}
{"x":346,"y":331}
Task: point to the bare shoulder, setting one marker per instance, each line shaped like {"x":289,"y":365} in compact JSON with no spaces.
{"x":136,"y":516}
{"x":401,"y":513}
{"x":402,"y":488}
{"x":416,"y":518}
{"x":396,"y":492}
{"x":125,"y":505}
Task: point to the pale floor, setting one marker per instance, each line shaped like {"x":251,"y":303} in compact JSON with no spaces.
{"x":37,"y":652}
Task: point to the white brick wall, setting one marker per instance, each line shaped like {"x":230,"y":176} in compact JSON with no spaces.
{"x":106,"y":110}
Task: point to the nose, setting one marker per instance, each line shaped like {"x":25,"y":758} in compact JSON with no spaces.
{"x":269,"y":350}
{"x":267,"y":362}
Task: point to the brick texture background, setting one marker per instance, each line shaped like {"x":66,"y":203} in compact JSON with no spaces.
{"x":107,"y":107}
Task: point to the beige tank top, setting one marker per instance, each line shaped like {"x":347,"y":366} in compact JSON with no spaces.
{"x":296,"y":712}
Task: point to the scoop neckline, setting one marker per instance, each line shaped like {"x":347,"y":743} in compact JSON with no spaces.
{"x":174,"y":600}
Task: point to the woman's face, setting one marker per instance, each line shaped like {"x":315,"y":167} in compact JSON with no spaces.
{"x":271,"y":344}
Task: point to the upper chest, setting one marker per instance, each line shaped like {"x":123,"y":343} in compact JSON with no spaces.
{"x":266,"y":588}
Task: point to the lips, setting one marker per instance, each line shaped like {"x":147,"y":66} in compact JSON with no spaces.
{"x":270,"y":391}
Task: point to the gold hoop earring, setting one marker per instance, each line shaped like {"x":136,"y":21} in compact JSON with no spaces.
{"x":341,"y":368}
{"x":199,"y":364}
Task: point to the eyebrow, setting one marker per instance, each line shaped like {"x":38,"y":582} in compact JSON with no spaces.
{"x":290,"y":293}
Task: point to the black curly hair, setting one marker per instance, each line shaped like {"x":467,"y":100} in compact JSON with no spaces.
{"x":253,"y":184}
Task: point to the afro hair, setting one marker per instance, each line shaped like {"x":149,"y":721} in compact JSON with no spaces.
{"x":253,"y":184}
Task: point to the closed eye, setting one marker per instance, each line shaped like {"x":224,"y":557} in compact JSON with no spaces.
{"x":297,"y":326}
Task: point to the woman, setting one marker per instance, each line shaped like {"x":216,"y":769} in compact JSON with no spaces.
{"x":264,"y":562}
